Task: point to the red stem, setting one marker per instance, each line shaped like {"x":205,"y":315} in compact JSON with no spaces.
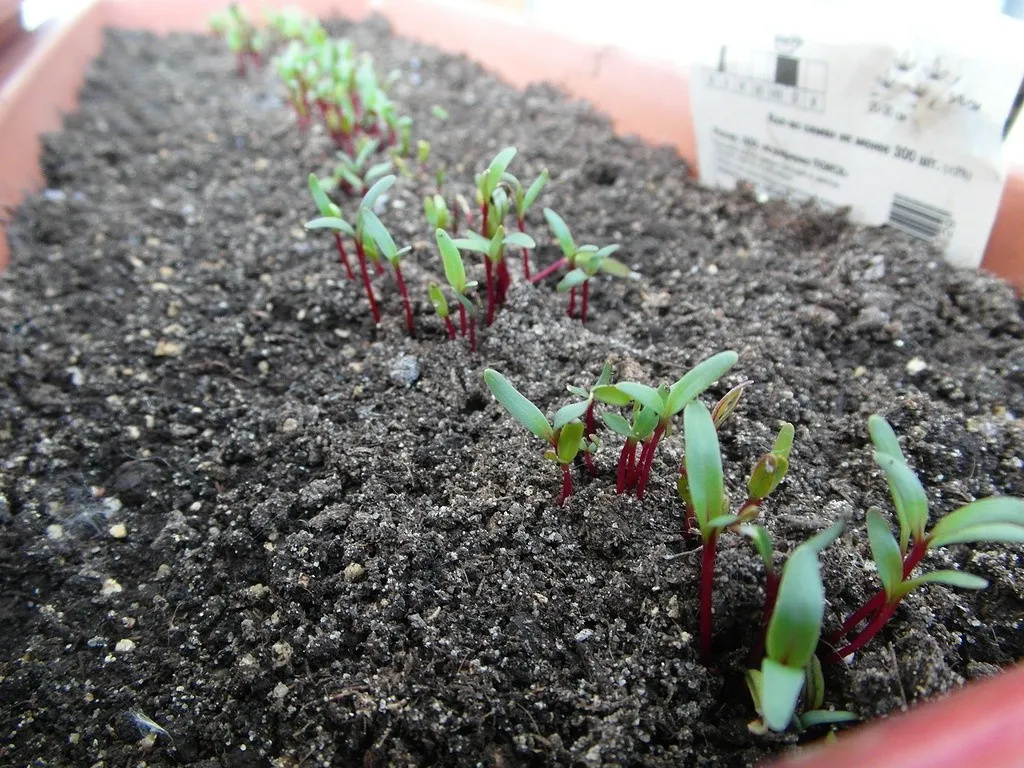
{"x":583,"y":305}
{"x":483,"y":219}
{"x":451,"y":328}
{"x":343,"y":257}
{"x":589,"y":461}
{"x":491,"y":300}
{"x":526,"y":252}
{"x":504,"y":281}
{"x":707,"y":585}
{"x":374,"y":310}
{"x":626,"y":458}
{"x":645,"y":468}
{"x":472,"y":333}
{"x":566,"y":485}
{"x":409,"y":324}
{"x":865,"y":635}
{"x":462,"y":318}
{"x":549,"y":270}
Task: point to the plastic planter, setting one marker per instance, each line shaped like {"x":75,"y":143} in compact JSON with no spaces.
{"x":981,"y":725}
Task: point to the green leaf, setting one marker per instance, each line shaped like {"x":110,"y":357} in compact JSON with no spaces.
{"x":780,"y":691}
{"x":996,"y":509}
{"x":957,"y":579}
{"x":645,"y":422}
{"x":795,"y":626}
{"x":607,"y":251}
{"x":438,"y":300}
{"x":647,"y":396}
{"x":379,"y":188}
{"x":375,"y":228}
{"x":611,"y":394}
{"x":762,"y":543}
{"x":494,"y":252}
{"x":520,"y":240}
{"x":466,"y":302}
{"x":613,"y":267}
{"x":825,"y":717}
{"x":367,"y":149}
{"x":561,"y":232}
{"x":572,"y":279}
{"x":1003,"y":532}
{"x":617,"y":424}
{"x":883,"y":437}
{"x":885,"y":552}
{"x":814,"y":684}
{"x":451,"y":259}
{"x":702,"y":376}
{"x":376,"y":171}
{"x":497,"y":167}
{"x":769,"y":471}
{"x":908,"y":497}
{"x":533,"y":192}
{"x":323,"y":203}
{"x":606,"y":375}
{"x":473,"y":242}
{"x":703,"y":461}
{"x":578,"y":391}
{"x":720,"y":523}
{"x":784,"y":441}
{"x":570,"y":412}
{"x":522,"y":410}
{"x":569,"y":438}
{"x":331,"y":222}
{"x":439,"y":112}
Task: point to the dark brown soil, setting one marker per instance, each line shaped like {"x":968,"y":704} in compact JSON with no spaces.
{"x":339,"y":549}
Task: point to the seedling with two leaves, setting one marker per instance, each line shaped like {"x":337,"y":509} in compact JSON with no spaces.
{"x":524,"y":200}
{"x":493,"y":251}
{"x":241,"y":35}
{"x":994,"y":519}
{"x":701,"y":487}
{"x":564,"y":435}
{"x":653,"y":411}
{"x":356,"y":175}
{"x":790,"y":670}
{"x":587,"y":410}
{"x":359,"y":234}
{"x":464,"y":289}
{"x":584,"y":262}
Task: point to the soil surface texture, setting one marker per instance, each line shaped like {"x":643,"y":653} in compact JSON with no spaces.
{"x":232,"y":508}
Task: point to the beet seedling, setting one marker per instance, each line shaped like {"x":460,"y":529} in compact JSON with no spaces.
{"x":330,"y":218}
{"x":995,"y":519}
{"x":701,"y":486}
{"x":790,"y":667}
{"x":355,"y":174}
{"x":455,"y":272}
{"x":241,"y":36}
{"x":583,"y":261}
{"x":377,"y":232}
{"x":587,"y":408}
{"x":440,"y":304}
{"x":659,"y":405}
{"x":565,"y":435}
{"x":589,"y":261}
{"x":493,"y":251}
{"x":524,"y":200}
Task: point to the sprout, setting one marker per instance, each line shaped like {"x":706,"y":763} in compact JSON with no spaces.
{"x":493,"y":251}
{"x":584,"y":262}
{"x":240,"y":34}
{"x":455,"y":272}
{"x":995,"y":519}
{"x":355,"y":174}
{"x":565,"y":435}
{"x":376,"y":230}
{"x":789,"y":667}
{"x":330,"y":218}
{"x":524,"y":200}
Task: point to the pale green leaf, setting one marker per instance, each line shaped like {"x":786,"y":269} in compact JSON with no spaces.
{"x":611,"y":394}
{"x":762,"y":543}
{"x":617,"y":424}
{"x":647,"y":396}
{"x":323,"y":203}
{"x":451,"y":259}
{"x":957,"y":579}
{"x":561,"y":232}
{"x":996,"y":509}
{"x":883,"y":437}
{"x":570,"y":438}
{"x":1002,"y":532}
{"x":497,"y":167}
{"x":376,"y":230}
{"x":520,"y":240}
{"x":702,"y":376}
{"x":333,"y":223}
{"x":572,"y":279}
{"x":534,"y":191}
{"x":825,"y":717}
{"x":522,"y":410}
{"x":378,"y":189}
{"x":570,"y":412}
{"x":703,"y":461}
{"x":780,"y":690}
{"x":908,"y":496}
{"x":885,"y":551}
{"x":613,"y":267}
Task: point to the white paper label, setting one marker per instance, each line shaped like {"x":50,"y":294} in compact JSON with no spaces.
{"x":905,"y":131}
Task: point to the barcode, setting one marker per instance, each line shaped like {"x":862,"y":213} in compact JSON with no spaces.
{"x":918,"y":219}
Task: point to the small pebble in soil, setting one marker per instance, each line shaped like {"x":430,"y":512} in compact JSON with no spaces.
{"x":916,"y":365}
{"x":405,"y":370}
{"x":583,"y":635}
{"x":110,"y":587}
{"x":288,"y":426}
{"x":354,"y":572}
{"x":168,"y":348}
{"x":124,"y":646}
{"x":55,"y":531}
{"x":119,"y":531}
